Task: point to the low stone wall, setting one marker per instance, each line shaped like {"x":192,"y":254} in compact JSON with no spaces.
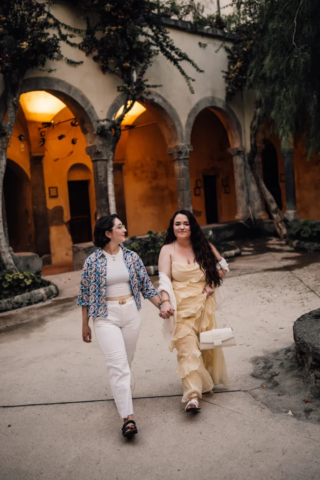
{"x":223,"y":232}
{"x":306,"y":333}
{"x":26,"y":262}
{"x":29,"y":298}
{"x":80,"y":252}
{"x":304,"y":245}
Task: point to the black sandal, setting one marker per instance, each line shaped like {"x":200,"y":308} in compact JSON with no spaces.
{"x":127,"y":431}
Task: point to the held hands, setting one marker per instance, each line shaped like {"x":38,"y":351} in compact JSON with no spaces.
{"x":208,"y":290}
{"x":166,"y":310}
{"x":86,"y":333}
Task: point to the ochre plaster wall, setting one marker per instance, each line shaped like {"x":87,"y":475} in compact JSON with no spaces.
{"x":307,"y":177}
{"x":19,"y":151}
{"x":18,"y":191}
{"x":210,"y":156}
{"x":17,"y":194}
{"x":149,"y":180}
{"x":59,"y":157}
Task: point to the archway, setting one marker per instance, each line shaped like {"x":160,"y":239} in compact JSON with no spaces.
{"x":54,"y":139}
{"x":144,"y":175}
{"x":18,"y":207}
{"x":72,"y":97}
{"x":211,"y":170}
{"x":234,"y":184}
{"x":80,"y":190}
{"x":225,"y":114}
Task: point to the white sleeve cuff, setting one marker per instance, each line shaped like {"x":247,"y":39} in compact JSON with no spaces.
{"x":223,"y":265}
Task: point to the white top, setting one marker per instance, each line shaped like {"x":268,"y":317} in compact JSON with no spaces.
{"x":118,"y":281}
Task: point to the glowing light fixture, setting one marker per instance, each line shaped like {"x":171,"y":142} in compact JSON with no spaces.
{"x":134,"y":113}
{"x":40,"y":106}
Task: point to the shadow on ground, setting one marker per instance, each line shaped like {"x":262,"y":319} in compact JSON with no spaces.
{"x":285,"y":388}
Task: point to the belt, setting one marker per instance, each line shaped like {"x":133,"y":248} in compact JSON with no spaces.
{"x":121,"y":300}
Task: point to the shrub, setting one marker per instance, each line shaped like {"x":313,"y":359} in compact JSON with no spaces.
{"x":148,"y":248}
{"x":306,"y":230}
{"x":12,"y":284}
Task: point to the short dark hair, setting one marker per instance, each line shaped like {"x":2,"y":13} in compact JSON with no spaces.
{"x":103,"y":225}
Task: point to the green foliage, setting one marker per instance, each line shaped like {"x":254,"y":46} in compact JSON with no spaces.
{"x":12,"y":284}
{"x":303,"y":230}
{"x":25,"y":42}
{"x":276,"y":53}
{"x":148,"y":248}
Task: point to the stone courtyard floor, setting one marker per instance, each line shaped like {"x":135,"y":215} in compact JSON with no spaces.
{"x":57,"y":420}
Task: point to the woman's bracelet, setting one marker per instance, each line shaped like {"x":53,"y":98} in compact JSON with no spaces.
{"x":163,"y":301}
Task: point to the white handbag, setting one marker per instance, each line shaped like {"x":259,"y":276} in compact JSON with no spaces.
{"x":217,"y":337}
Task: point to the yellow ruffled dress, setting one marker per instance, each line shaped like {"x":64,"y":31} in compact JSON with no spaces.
{"x":198,"y":370}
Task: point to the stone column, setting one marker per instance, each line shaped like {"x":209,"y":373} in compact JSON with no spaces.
{"x":243,"y":207}
{"x":180,"y":156}
{"x":100,"y":175}
{"x":287,"y":153}
{"x":39,"y":206}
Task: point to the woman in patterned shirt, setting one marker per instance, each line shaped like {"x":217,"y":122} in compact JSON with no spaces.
{"x":112,"y":280}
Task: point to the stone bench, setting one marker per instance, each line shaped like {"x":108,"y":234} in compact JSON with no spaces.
{"x":28,"y":262}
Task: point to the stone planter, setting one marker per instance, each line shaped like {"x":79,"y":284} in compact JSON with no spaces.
{"x":306,"y":333}
{"x":29,"y":298}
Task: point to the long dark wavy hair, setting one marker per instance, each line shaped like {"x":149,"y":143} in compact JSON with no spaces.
{"x":201,"y":247}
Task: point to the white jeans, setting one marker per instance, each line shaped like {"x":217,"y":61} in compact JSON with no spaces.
{"x":117,"y":336}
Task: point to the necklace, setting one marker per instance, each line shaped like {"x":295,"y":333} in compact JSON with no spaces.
{"x":111,"y":255}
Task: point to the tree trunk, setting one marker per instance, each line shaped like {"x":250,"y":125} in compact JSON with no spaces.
{"x":110,"y":178}
{"x":4,"y":244}
{"x":275,"y":211}
{"x":12,"y":96}
{"x":4,"y":219}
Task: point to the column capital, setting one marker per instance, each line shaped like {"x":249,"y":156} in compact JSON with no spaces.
{"x":236,"y":151}
{"x":179,"y":152}
{"x":96,"y":152}
{"x":287,"y":150}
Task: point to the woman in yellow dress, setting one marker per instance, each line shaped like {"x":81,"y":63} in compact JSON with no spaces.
{"x":190,"y":271}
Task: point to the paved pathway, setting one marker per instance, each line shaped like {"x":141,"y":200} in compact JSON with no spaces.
{"x":234,"y":437}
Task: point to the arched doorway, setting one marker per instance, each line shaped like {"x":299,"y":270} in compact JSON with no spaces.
{"x":144,"y":176}
{"x":211,"y":170}
{"x":79,"y":189}
{"x":18,"y":206}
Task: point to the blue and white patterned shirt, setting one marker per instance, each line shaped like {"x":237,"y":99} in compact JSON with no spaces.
{"x":93,"y":283}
